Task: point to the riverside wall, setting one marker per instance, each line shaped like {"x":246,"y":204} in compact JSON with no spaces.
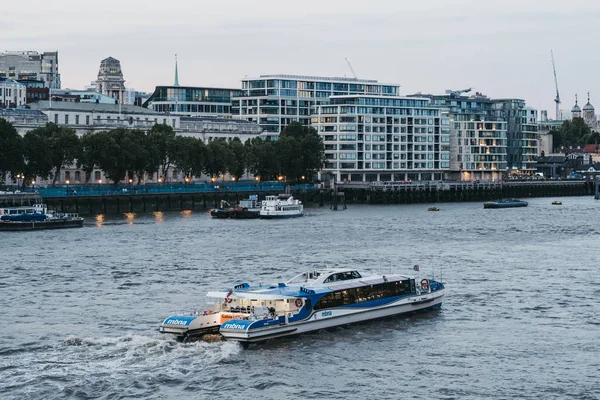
{"x":341,"y":194}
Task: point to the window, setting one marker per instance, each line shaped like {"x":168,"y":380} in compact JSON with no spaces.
{"x":365,"y":293}
{"x":87,"y":119}
{"x":56,"y":118}
{"x":66,"y":119}
{"x":77,"y":120}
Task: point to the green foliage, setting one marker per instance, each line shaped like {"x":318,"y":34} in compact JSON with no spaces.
{"x":89,"y":152}
{"x":218,"y":156}
{"x":572,"y":134}
{"x":237,"y":158}
{"x":11,"y":150}
{"x":262,"y":160}
{"x":114,"y":158}
{"x":188,"y":155}
{"x":122,"y":153}
{"x":302,"y":152}
{"x":38,"y":160}
{"x":160,"y":142}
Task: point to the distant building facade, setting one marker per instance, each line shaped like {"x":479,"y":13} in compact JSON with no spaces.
{"x":193,"y":101}
{"x":383,"y":138}
{"x":31,"y":65}
{"x":110,"y":79}
{"x":478,"y":140}
{"x":12,"y":93}
{"x":35,"y":90}
{"x":275,"y":101}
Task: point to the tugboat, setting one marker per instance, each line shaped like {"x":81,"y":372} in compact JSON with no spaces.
{"x":246,"y":209}
{"x":309,"y":302}
{"x":507,"y":203}
{"x":36,"y":217}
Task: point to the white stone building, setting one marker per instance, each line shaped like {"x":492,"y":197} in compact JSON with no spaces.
{"x":12,"y":93}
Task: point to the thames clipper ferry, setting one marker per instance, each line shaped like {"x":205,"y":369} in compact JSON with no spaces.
{"x":309,"y":302}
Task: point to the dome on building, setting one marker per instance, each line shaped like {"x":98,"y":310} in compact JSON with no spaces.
{"x":576,"y":108}
{"x":588,"y":106}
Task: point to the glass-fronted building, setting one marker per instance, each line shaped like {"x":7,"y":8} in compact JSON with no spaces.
{"x":522,"y":127}
{"x":478,"y":140}
{"x":509,"y":134}
{"x":383,"y":138}
{"x":193,"y":101}
{"x":275,"y":101}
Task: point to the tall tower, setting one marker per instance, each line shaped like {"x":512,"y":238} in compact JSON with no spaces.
{"x":589,"y":114}
{"x":176,"y":73}
{"x":576,"y":110}
{"x":110,"y":79}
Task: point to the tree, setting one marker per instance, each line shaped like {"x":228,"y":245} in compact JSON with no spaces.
{"x":114,"y":158}
{"x":11,"y":150}
{"x":135,"y":142}
{"x":89,"y":153}
{"x":217,"y":158}
{"x":261,"y":158}
{"x":188,"y":155}
{"x":237,"y":159}
{"x":38,"y":160}
{"x":301,"y":151}
{"x":160,"y":141}
{"x":313,"y":153}
{"x":572,"y":134}
{"x":289,"y":155}
{"x":64,"y":147}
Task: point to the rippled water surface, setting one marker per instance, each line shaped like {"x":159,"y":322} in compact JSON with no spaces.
{"x":521,"y":318}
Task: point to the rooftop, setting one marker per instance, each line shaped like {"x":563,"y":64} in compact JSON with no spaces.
{"x":92,"y":107}
{"x":319,"y":78}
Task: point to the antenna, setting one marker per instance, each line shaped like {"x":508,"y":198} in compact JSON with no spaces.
{"x":557,"y":99}
{"x":351,"y":69}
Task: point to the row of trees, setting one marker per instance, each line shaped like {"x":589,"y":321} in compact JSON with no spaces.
{"x":121,"y":153}
{"x":574,"y":133}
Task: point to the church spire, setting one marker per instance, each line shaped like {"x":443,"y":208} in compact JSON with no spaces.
{"x":176,"y":73}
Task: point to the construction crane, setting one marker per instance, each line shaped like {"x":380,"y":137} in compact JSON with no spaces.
{"x":351,"y":69}
{"x":557,"y":99}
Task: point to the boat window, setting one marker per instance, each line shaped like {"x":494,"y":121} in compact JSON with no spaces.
{"x":343,"y":276}
{"x":365,"y":294}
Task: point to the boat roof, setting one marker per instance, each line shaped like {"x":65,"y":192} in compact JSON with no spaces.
{"x":307,"y":283}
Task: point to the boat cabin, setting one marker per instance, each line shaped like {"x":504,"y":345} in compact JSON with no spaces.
{"x":322,"y":277}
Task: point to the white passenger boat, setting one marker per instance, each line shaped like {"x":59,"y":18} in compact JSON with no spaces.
{"x":282,"y":206}
{"x":309,"y":302}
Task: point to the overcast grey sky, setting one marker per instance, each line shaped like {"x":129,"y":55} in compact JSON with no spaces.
{"x":501,"y":48}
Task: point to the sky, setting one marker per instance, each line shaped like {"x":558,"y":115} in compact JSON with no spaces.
{"x":499,"y":48}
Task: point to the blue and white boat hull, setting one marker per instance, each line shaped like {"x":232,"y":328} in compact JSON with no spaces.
{"x":246,"y":331}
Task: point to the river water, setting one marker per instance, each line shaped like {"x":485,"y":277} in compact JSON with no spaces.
{"x":521,"y":318}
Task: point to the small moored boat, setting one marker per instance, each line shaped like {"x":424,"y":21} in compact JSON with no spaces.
{"x":557,"y":203}
{"x":36,"y":217}
{"x":433,"y":209}
{"x":506,"y":203}
{"x":311,"y":301}
{"x":282,"y":206}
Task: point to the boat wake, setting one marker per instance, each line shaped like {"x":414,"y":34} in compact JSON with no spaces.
{"x":128,"y":365}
